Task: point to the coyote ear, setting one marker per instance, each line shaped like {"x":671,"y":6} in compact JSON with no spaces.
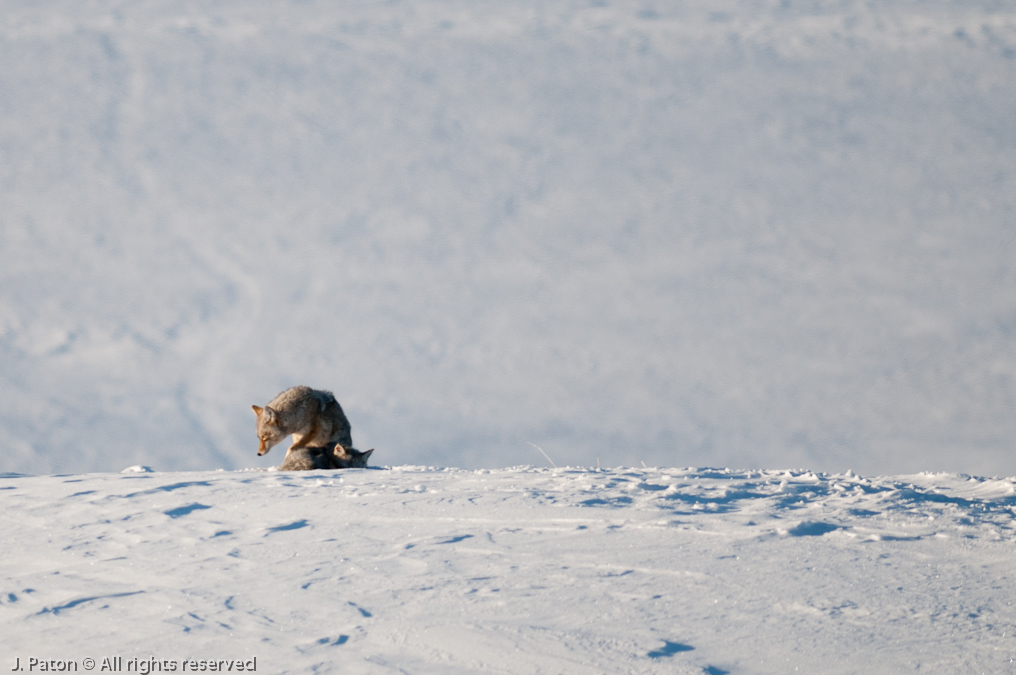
{"x":257,"y":410}
{"x":365,"y":455}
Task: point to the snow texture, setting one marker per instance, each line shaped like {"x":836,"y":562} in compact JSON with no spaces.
{"x":735,"y":233}
{"x":522,"y":570}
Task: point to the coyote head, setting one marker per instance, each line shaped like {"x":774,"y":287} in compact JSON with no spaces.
{"x":270,"y":433}
{"x":350,"y":458}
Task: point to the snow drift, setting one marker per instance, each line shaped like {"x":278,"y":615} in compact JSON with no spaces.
{"x":423,"y":570}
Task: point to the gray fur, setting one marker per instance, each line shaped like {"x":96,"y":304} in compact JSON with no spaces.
{"x":306,"y":459}
{"x":310,"y":459}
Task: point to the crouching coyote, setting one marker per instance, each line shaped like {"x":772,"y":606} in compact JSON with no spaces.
{"x":313,"y":417}
{"x":309,"y":459}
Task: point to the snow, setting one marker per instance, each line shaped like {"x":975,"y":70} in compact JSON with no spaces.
{"x":420,"y":569}
{"x":749,"y":234}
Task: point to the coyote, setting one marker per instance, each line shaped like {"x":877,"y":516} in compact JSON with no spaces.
{"x":309,"y":459}
{"x":306,"y":459}
{"x":349,"y":458}
{"x":313,"y":417}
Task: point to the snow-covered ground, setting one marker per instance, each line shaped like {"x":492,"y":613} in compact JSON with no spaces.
{"x":749,"y":233}
{"x":520,"y":570}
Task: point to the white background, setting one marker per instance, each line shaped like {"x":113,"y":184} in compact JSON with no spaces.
{"x":749,"y":234}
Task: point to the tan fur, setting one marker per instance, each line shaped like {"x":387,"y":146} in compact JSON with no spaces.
{"x":312,"y":416}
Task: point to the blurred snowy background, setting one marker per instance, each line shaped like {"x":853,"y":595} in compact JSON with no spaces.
{"x":745,"y":233}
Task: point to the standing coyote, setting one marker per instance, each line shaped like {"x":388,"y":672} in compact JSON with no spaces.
{"x":313,"y":417}
{"x":309,"y":459}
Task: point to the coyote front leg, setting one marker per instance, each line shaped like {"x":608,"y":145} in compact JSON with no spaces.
{"x":302,"y":441}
